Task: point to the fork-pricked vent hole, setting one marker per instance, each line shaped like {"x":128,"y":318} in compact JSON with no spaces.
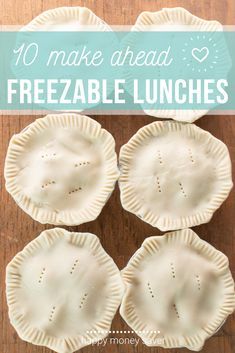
{"x":83,"y":300}
{"x":159,"y":185}
{"x":159,"y":156}
{"x":176,"y":311}
{"x":48,"y":184}
{"x":75,"y":264}
{"x":191,"y":156}
{"x":198,"y":282}
{"x":182,"y":189}
{"x":150,"y":290}
{"x":173,"y":270}
{"x":52,"y":313}
{"x":82,"y":164}
{"x":46,"y":155}
{"x":73,"y":191}
{"x":41,"y":275}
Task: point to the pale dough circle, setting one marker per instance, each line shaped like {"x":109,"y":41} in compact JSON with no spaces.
{"x":63,"y":290}
{"x":173,"y":20}
{"x":178,"y":290}
{"x":73,"y":50}
{"x":62,"y":169}
{"x":174,"y":175}
{"x":67,"y":18}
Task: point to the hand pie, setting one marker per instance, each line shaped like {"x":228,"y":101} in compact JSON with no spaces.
{"x":63,"y":290}
{"x":70,"y":18}
{"x":61,"y":169}
{"x":174,"y":175}
{"x":179,"y":291}
{"x":175,"y":20}
{"x":67,"y":51}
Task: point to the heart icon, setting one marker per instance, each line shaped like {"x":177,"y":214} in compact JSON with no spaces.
{"x":200,"y":54}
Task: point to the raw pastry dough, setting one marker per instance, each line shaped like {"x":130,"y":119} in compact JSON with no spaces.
{"x":179,"y":290}
{"x":174,"y":175}
{"x":62,"y":169}
{"x":64,"y":19}
{"x":74,"y":18}
{"x":174,"y":19}
{"x":63,"y":290}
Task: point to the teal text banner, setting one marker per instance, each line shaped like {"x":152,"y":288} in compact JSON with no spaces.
{"x":117,"y":71}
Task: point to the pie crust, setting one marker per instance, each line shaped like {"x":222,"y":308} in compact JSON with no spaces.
{"x":64,"y":19}
{"x":173,"y":19}
{"x":70,"y":18}
{"x":178,"y":290}
{"x":55,"y":298}
{"x":61,"y":169}
{"x":174,"y":175}
{"x":178,"y":17}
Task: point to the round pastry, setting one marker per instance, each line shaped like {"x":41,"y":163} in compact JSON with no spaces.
{"x":66,"y":18}
{"x":55,"y":299}
{"x":174,"y":20}
{"x":174,"y":175}
{"x":61,"y":169}
{"x":64,"y":63}
{"x":178,"y":291}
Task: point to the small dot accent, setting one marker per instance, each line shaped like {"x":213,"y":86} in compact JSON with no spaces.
{"x":122,"y":332}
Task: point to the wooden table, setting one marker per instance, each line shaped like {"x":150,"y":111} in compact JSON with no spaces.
{"x":121,"y":233}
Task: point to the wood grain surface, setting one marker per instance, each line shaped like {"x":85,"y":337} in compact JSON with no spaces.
{"x":121,"y":233}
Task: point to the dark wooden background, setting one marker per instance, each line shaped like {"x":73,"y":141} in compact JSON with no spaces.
{"x":120,"y":232}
